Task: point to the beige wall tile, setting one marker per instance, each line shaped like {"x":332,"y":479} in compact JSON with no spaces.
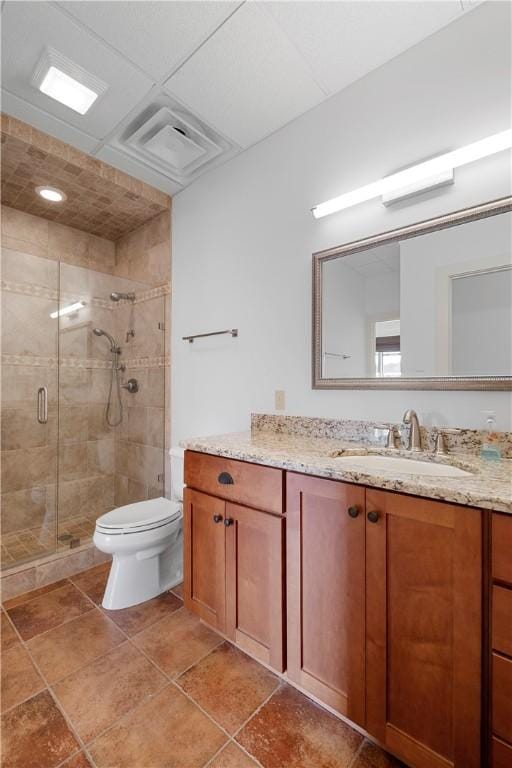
{"x":27,"y":328}
{"x":64,"y":567}
{"x":70,"y":498}
{"x":101,"y":457}
{"x":102,"y":254}
{"x":26,"y":468}
{"x":25,"y":509}
{"x":25,"y":246}
{"x":24,"y":226}
{"x":70,"y":245}
{"x":74,"y":385}
{"x":158,"y":230}
{"x":73,"y":461}
{"x":97,"y":495}
{"x":21,"y":382}
{"x":73,"y":423}
{"x":28,"y":268}
{"x":98,"y":429}
{"x":155,"y":427}
{"x":21,"y":429}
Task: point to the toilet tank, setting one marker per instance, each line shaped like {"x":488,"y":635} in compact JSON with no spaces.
{"x":177,"y":483}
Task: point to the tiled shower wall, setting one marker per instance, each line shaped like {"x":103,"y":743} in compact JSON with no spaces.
{"x":99,"y":466}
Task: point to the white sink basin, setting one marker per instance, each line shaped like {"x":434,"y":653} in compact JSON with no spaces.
{"x":402,"y":465}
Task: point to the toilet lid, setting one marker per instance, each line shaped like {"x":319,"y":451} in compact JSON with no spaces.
{"x":140,"y":514}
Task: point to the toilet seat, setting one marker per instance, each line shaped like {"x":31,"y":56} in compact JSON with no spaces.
{"x":139,"y":517}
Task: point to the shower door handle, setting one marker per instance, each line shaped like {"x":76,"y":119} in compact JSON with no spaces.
{"x":42,"y":405}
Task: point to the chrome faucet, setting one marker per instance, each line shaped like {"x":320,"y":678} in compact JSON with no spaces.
{"x":411,"y":417}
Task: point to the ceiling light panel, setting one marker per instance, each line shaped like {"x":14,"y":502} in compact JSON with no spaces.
{"x":65,"y":81}
{"x":29,"y":28}
{"x":157,"y":36}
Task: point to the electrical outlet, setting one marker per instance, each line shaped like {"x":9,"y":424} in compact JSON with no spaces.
{"x":279,"y":400}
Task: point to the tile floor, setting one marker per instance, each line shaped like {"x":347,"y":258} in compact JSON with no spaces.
{"x":150,"y":687}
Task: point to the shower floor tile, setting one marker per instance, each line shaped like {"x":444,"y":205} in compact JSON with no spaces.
{"x":151,"y":686}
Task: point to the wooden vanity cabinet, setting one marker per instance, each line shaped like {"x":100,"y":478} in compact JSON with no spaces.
{"x":325,"y":566}
{"x":204,"y":557}
{"x":233,"y":554}
{"x":423,"y":631}
{"x":501,"y":641}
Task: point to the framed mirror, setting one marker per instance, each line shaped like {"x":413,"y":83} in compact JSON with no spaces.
{"x":427,"y":306}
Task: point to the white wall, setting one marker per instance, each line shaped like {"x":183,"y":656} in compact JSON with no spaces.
{"x":427,"y":264}
{"x":243,"y":234}
{"x":344,"y":320}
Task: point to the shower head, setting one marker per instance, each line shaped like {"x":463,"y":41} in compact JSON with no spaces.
{"x":117,"y":296}
{"x":113,"y":343}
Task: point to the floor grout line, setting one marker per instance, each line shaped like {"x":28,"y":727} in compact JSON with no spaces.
{"x":168,"y":680}
{"x":55,"y":700}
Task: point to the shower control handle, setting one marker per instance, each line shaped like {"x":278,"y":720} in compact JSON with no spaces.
{"x":42,"y":405}
{"x":132,"y":385}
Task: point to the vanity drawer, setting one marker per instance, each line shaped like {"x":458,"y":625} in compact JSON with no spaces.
{"x":502,"y":619}
{"x":250,"y":484}
{"x":501,"y":754}
{"x":502,"y":547}
{"x":502,"y":697}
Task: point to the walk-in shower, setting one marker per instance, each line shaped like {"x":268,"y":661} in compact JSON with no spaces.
{"x":74,"y":292}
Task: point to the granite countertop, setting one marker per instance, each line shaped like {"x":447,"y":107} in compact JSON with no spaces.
{"x":489,"y":487}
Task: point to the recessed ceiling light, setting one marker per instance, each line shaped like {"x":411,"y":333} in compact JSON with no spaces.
{"x":52,"y":194}
{"x":61,"y":79}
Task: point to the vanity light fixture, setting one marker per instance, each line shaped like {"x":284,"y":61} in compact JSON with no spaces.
{"x":428,"y":174}
{"x":68,"y":309}
{"x":51,"y":194}
{"x":61,"y":79}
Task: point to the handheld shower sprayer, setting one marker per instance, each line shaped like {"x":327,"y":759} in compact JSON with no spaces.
{"x":113,"y":343}
{"x":115,"y":350}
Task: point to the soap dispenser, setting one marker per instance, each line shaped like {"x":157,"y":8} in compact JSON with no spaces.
{"x":490,"y":448}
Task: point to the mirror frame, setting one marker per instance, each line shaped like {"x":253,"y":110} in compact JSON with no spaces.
{"x":464,"y":216}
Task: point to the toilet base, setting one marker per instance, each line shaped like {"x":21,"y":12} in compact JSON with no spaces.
{"x":139,"y":576}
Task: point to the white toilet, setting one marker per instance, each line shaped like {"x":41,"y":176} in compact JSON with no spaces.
{"x":146,"y":543}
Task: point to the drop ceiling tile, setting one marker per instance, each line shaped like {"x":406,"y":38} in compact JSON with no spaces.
{"x":248,"y":79}
{"x":141,"y":171}
{"x":342,"y":41}
{"x":12,"y":105}
{"x":157,"y":36}
{"x":28,"y":28}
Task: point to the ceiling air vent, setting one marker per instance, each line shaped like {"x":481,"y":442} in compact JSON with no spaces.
{"x":173,"y":143}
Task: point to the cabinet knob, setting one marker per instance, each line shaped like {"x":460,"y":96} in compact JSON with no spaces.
{"x":228,"y":521}
{"x":225,"y":479}
{"x":217,"y":518}
{"x":373,"y":516}
{"x":353,"y":511}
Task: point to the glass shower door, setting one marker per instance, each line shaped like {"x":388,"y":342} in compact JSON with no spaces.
{"x":29,"y":408}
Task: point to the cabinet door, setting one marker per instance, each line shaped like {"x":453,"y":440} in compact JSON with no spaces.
{"x":325,"y":555}
{"x":204,"y":557}
{"x":424,"y":596}
{"x":254,"y":583}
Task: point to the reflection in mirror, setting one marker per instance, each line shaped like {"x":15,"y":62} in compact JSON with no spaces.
{"x":434,"y":305}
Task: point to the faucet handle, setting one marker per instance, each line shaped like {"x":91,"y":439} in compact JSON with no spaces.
{"x":391,"y":438}
{"x":440,"y":444}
